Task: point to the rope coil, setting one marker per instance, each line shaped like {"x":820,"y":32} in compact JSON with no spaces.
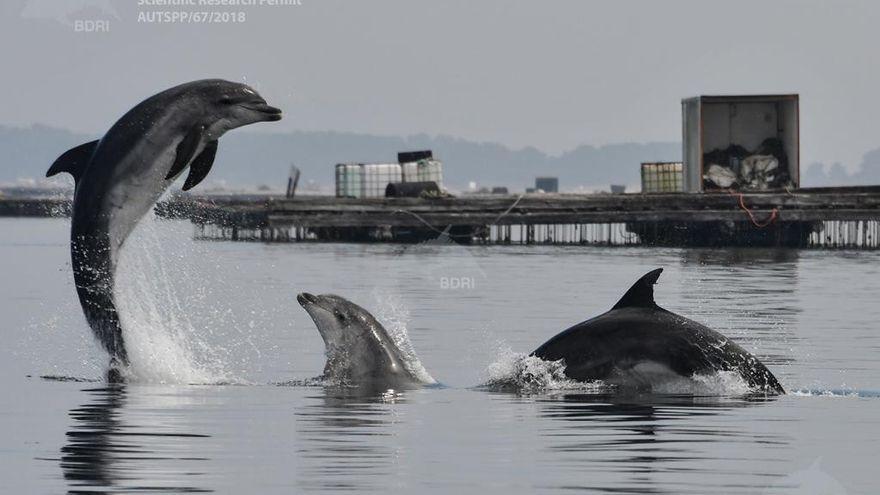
{"x":774,"y":214}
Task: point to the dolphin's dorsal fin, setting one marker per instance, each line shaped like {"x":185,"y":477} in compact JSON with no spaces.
{"x":186,"y":151}
{"x":74,"y":161}
{"x":641,"y":294}
{"x":200,"y":167}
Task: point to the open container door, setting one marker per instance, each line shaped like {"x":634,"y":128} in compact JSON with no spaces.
{"x":747,"y":142}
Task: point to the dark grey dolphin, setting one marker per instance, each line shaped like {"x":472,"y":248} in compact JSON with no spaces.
{"x":360,"y":353}
{"x":122,"y":175}
{"x":638,"y":341}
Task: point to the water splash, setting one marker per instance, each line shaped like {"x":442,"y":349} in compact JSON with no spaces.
{"x":720,"y":383}
{"x":836,"y":393}
{"x":522,"y":373}
{"x":156,"y":291}
{"x":393,"y":314}
{"x":518,"y":372}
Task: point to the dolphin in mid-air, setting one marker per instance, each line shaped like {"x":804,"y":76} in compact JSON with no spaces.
{"x":637,"y":343}
{"x":121,"y":176}
{"x":360,"y":353}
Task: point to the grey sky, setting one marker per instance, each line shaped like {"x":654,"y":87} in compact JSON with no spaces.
{"x":553,"y":74}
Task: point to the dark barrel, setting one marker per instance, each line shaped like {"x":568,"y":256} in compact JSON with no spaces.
{"x":414,"y":156}
{"x":411,"y":189}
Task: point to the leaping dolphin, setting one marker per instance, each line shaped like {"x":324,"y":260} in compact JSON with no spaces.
{"x":360,"y":353}
{"x":122,"y":175}
{"x":638,"y":342}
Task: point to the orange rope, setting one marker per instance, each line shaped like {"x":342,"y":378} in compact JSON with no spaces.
{"x":773,"y":214}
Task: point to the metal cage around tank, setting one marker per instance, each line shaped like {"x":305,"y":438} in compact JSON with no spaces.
{"x":662,"y":177}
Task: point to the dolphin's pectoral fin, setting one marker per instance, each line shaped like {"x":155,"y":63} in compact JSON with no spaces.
{"x":200,"y":167}
{"x":641,"y":294}
{"x":186,"y":150}
{"x":74,"y":161}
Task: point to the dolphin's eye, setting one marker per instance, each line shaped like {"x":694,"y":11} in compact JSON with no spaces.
{"x":226,"y":99}
{"x":340,"y":315}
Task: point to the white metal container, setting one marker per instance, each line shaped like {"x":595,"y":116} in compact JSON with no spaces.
{"x":713,"y":123}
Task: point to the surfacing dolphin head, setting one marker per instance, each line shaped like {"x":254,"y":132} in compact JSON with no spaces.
{"x":359,"y":350}
{"x":120,"y":177}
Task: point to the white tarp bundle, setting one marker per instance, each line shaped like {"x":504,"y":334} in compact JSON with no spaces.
{"x":723,"y":177}
{"x":755,"y":172}
{"x":758,"y":171}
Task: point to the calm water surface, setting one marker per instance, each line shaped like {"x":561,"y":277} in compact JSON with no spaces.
{"x":223,"y":316}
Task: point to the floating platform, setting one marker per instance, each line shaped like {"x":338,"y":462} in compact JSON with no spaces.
{"x":817,"y":217}
{"x":846,"y":217}
{"x":34,"y":207}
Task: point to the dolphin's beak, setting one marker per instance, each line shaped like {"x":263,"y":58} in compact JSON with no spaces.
{"x":271,"y":113}
{"x":304,"y":299}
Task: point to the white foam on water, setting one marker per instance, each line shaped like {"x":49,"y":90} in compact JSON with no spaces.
{"x":718,"y":383}
{"x":530,"y":374}
{"x":155,"y":292}
{"x":393,"y":314}
{"x":835,"y":393}
{"x":523,"y":373}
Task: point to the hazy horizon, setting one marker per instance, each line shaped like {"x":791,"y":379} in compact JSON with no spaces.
{"x":255,"y":158}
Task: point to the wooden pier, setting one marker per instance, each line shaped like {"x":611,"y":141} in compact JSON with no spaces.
{"x":817,"y":217}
